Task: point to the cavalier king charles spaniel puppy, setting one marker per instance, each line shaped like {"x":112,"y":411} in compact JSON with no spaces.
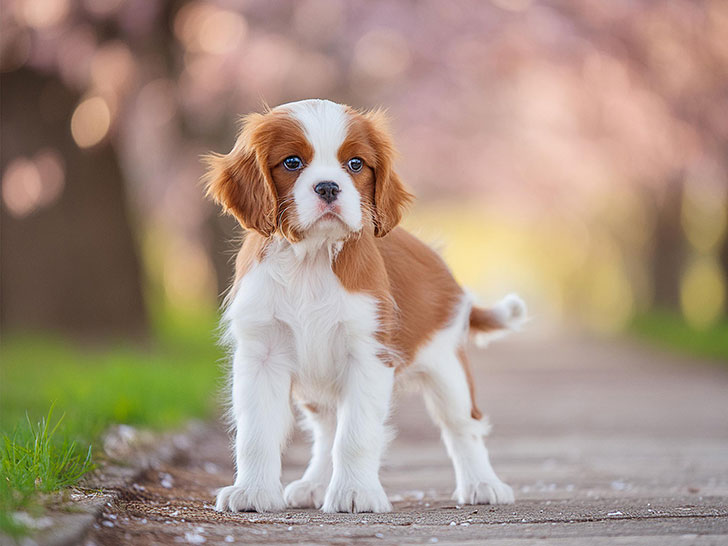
{"x":332,"y":306}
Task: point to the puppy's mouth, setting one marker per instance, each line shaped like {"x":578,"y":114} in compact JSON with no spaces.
{"x":330,"y":220}
{"x":330,"y":214}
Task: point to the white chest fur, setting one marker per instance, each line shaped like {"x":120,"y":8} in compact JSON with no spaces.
{"x":291,"y":310}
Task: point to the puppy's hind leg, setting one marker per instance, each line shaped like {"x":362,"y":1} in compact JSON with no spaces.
{"x":309,"y":491}
{"x":448,"y":395}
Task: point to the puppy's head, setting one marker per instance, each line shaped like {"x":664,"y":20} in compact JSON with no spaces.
{"x":312,"y":168}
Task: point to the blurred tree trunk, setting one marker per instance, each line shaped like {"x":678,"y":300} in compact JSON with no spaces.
{"x":71,"y":265}
{"x":669,"y":246}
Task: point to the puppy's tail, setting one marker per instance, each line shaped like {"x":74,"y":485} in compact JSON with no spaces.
{"x":508,"y":314}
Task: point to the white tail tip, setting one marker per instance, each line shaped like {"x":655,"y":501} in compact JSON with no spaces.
{"x":511,"y":312}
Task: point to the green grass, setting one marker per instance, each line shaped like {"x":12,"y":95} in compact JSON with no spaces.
{"x":33,"y":460}
{"x":671,"y":331}
{"x":158,"y":386}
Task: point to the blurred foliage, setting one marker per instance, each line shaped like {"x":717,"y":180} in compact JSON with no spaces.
{"x":580,"y":119}
{"x":175,"y":378}
{"x":574,"y":151}
{"x":159,"y":385}
{"x":672,"y":331}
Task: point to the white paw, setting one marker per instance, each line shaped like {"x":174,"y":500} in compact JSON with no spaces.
{"x":511,"y":311}
{"x":249,"y":499}
{"x":484,"y":493}
{"x":354,"y":498}
{"x":304,"y":494}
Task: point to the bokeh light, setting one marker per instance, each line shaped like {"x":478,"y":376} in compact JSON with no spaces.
{"x":112,"y":67}
{"x":705,"y":215}
{"x":203,"y":27}
{"x":702,"y":292}
{"x":21,"y":187}
{"x":29,"y":184}
{"x":43,"y":14}
{"x":573,"y":152}
{"x":381,"y":54}
{"x":90,"y":122}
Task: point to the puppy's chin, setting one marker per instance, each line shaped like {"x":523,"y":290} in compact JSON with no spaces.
{"x":329,"y":226}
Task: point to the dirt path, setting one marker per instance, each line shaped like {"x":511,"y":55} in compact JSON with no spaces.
{"x":603,"y":444}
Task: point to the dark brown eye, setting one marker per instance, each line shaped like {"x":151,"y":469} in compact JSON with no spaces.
{"x":355,"y":164}
{"x":292,"y":163}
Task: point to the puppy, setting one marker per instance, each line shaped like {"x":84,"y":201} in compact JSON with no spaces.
{"x":331,"y":305}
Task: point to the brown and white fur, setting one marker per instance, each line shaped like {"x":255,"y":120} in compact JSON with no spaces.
{"x":332,"y":304}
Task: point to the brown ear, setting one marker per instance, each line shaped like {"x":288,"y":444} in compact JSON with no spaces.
{"x":241,"y":183}
{"x":390,"y":195}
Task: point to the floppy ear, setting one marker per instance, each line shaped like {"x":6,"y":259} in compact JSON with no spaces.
{"x":390,"y":195}
{"x":241,"y":183}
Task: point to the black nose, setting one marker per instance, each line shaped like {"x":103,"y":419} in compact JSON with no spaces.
{"x":327,"y":191}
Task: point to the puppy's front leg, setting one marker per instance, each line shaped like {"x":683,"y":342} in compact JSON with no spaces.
{"x":263,"y":417}
{"x":360,"y":439}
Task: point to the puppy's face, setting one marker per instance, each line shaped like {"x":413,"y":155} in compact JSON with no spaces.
{"x":310,"y":169}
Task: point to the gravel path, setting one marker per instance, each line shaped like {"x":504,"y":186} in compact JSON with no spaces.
{"x":602,"y":443}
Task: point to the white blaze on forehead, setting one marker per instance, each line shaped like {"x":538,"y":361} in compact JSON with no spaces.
{"x":324,"y":123}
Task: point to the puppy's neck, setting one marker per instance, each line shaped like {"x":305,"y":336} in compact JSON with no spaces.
{"x":307,"y":250}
